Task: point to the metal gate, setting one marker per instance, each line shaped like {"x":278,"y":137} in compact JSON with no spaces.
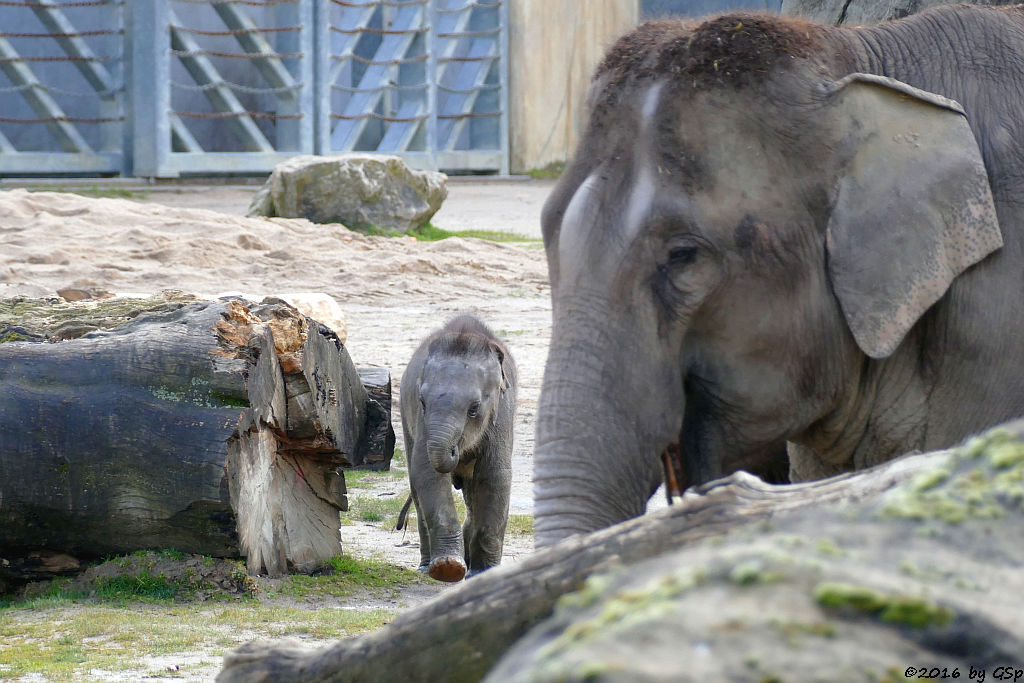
{"x":425,"y":79}
{"x":170,"y":87}
{"x":62,"y":107}
{"x":226,"y":86}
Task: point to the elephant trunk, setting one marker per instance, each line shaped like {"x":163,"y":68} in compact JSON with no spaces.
{"x":598,"y":431}
{"x":443,"y":447}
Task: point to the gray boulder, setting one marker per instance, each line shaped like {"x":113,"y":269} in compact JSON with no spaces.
{"x":926,"y":575}
{"x":361,"y":191}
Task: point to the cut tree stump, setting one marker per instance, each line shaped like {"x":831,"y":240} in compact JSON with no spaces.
{"x":735,"y":567}
{"x":220,"y":428}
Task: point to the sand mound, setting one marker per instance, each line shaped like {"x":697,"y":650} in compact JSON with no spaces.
{"x":54,"y":241}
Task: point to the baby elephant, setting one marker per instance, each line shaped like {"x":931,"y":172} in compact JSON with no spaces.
{"x":458,"y":406}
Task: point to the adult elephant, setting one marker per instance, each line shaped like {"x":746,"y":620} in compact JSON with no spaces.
{"x":775,"y":231}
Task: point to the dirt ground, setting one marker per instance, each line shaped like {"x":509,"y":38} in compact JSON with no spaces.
{"x":393,"y":291}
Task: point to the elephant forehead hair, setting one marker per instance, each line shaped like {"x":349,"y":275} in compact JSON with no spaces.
{"x":734,"y":49}
{"x":463,"y":335}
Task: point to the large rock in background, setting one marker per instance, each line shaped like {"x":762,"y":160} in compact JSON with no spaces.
{"x":860,"y":12}
{"x":361,"y":191}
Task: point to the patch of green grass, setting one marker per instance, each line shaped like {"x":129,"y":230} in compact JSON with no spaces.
{"x":377,"y":509}
{"x":549,"y":172}
{"x":432,"y":233}
{"x":362,"y":479}
{"x":82,"y":642}
{"x":95,"y":191}
{"x":143,"y":586}
{"x":348,"y":576}
{"x":520,"y":525}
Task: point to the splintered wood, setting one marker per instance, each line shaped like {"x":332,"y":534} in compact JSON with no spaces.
{"x":216,"y":427}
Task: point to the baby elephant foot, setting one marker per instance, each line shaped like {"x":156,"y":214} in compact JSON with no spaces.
{"x":448,"y":568}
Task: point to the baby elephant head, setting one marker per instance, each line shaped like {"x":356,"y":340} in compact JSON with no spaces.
{"x":459,"y":390}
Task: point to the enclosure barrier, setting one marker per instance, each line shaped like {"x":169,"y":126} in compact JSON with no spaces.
{"x":169,"y":87}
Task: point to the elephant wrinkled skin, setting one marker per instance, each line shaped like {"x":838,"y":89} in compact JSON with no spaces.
{"x":779,"y":235}
{"x":458,"y":407}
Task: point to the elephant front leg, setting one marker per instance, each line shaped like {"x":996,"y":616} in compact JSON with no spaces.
{"x":487,"y":499}
{"x":441,"y":543}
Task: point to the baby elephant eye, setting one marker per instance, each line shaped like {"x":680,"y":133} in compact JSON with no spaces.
{"x":474,"y":411}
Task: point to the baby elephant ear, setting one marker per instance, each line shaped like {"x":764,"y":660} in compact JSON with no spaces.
{"x":500,"y":354}
{"x":913,"y":208}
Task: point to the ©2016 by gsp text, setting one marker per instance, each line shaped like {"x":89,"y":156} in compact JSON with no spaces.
{"x":997,"y":673}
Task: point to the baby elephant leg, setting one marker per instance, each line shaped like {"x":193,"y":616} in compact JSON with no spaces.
{"x":424,"y":538}
{"x":487,"y":498}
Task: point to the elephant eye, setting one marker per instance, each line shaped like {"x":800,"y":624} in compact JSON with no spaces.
{"x":423,"y":404}
{"x":474,"y":411}
{"x":682,"y":255}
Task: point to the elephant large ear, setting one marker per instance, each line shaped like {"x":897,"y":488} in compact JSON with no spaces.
{"x":913,"y":208}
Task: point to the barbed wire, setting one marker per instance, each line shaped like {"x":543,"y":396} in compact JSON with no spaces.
{"x":485,"y":58}
{"x":380,"y":3}
{"x":237,"y":55}
{"x":380,"y":31}
{"x":250,"y":3}
{"x":234,"y":114}
{"x":371,"y":62}
{"x":379,"y":88}
{"x":380,"y":117}
{"x":78,"y":34}
{"x":470,"y":115}
{"x":60,"y":91}
{"x":60,"y":58}
{"x":469,"y":91}
{"x":58,"y":4}
{"x":61,"y":119}
{"x":237,"y":31}
{"x":249,"y":90}
{"x":471,"y":34}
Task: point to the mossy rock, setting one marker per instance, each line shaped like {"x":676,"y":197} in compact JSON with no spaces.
{"x":856,"y":592}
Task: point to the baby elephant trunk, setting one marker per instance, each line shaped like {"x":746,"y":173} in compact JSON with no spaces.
{"x":443,"y":450}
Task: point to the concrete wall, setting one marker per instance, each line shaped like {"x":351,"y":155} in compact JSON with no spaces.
{"x":555,"y":46}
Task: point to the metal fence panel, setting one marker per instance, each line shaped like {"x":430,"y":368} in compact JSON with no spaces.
{"x":424,"y":79}
{"x":236,"y":86}
{"x":62,"y":86}
{"x":232,"y":86}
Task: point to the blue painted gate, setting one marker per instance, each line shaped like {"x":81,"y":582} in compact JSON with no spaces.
{"x":161,"y":88}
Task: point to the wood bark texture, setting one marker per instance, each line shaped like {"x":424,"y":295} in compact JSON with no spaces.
{"x":217,"y":427}
{"x":484,"y":617}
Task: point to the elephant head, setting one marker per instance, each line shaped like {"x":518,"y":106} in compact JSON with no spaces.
{"x":458,"y":391}
{"x":740,"y":233}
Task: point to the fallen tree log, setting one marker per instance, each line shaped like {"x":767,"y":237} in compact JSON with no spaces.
{"x":915,"y":561}
{"x":220,"y":428}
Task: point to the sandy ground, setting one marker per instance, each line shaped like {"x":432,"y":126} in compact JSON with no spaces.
{"x":393,"y":291}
